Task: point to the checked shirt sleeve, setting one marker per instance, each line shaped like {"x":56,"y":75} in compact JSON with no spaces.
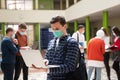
{"x":70,"y":59}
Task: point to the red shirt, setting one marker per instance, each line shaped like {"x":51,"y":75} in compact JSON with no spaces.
{"x":96,"y":49}
{"x":116,"y":43}
{"x":22,"y":41}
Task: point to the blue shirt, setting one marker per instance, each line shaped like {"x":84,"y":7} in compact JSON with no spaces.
{"x":62,"y":55}
{"x":9,"y":51}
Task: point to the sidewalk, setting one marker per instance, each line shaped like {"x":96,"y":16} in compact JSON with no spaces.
{"x":36,"y":75}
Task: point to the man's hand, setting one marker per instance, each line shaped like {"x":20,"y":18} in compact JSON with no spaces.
{"x":15,"y":41}
{"x":46,"y":62}
{"x":25,"y":48}
{"x":81,"y":47}
{"x":40,"y":68}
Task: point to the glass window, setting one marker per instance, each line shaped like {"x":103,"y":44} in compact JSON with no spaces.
{"x":78,"y":0}
{"x":71,"y":2}
{"x":59,"y":4}
{"x":15,"y":27}
{"x":56,"y":4}
{"x":20,"y":4}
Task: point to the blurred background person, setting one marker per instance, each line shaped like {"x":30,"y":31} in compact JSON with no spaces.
{"x":96,"y":50}
{"x":23,"y":43}
{"x":106,"y":39}
{"x":9,"y":51}
{"x":116,"y":50}
{"x":79,"y":36}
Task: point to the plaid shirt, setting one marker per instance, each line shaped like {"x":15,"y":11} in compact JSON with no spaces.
{"x":62,"y":55}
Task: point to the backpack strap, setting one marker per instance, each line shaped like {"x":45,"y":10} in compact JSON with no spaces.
{"x":65,"y":49}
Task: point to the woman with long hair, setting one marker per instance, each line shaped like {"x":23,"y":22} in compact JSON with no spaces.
{"x":106,"y":39}
{"x":116,"y":50}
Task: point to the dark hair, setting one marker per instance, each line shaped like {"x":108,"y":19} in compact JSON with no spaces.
{"x":81,"y":26}
{"x":105,"y":31}
{"x":9,"y":30}
{"x":116,"y":30}
{"x":59,"y":19}
{"x":22,"y":26}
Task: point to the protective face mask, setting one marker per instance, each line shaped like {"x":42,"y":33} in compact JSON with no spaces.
{"x":13,"y":36}
{"x":57,"y":33}
{"x":114,"y":34}
{"x":83,"y":32}
{"x":22,"y":33}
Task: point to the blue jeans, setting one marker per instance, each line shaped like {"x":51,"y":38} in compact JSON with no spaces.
{"x":8,"y":70}
{"x":98,"y":72}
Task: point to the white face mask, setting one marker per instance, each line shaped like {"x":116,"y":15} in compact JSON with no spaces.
{"x":83,"y":32}
{"x":13,"y":36}
{"x":114,"y":34}
{"x":22,"y":33}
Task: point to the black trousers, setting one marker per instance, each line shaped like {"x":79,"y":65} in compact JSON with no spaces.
{"x":116,"y":67}
{"x":8,"y":70}
{"x":106,"y":62}
{"x":20,"y":64}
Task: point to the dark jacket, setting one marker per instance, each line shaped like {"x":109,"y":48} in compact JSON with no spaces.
{"x":56,"y":56}
{"x":9,"y":51}
{"x":116,"y":49}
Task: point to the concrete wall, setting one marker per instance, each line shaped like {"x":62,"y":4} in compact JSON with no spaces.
{"x":77,"y":11}
{"x":30,"y":16}
{"x":87,"y":7}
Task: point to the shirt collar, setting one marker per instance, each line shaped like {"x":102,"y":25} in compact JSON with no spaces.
{"x":6,"y":37}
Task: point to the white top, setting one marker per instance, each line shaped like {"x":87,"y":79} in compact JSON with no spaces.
{"x":57,"y":42}
{"x":94,"y":63}
{"x":81,"y":39}
{"x":107,"y":42}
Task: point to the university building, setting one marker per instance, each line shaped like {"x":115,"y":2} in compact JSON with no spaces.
{"x":38,"y":13}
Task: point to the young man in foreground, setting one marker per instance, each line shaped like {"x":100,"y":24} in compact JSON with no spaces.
{"x":62,"y":51}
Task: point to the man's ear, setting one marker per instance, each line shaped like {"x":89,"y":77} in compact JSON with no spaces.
{"x":65,"y":26}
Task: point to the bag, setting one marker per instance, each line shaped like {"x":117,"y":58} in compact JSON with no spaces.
{"x":116,"y":56}
{"x":80,"y":73}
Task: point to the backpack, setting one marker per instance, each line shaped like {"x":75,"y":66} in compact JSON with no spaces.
{"x":80,"y":73}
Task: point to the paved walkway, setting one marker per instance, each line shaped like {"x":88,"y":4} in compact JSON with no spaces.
{"x":36,"y":75}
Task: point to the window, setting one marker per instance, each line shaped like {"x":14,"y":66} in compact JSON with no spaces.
{"x":20,"y":4}
{"x":15,"y":27}
{"x":59,"y":4}
{"x":71,"y":2}
{"x":78,"y":0}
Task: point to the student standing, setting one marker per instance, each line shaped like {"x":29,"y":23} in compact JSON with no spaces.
{"x":60,"y":54}
{"x":22,"y":42}
{"x":9,"y":51}
{"x":96,"y":50}
{"x":79,"y":36}
{"x":116,"y":50}
{"x":106,"y":39}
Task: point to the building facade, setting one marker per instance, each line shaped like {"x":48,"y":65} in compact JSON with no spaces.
{"x":37,"y":14}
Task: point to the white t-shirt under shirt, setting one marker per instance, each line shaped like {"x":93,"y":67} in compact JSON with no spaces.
{"x":107,"y":41}
{"x":81,"y":40}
